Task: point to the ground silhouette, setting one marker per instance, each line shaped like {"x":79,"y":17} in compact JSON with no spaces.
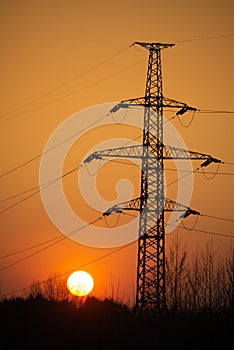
{"x":37,"y":323}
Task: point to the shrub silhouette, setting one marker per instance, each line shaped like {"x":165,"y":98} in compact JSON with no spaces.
{"x":39,"y":323}
{"x":199,"y":315}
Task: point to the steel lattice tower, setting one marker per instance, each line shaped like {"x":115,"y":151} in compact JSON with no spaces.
{"x":150,"y":288}
{"x":151,"y":241}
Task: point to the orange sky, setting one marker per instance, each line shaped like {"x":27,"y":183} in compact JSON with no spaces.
{"x":48,"y":43}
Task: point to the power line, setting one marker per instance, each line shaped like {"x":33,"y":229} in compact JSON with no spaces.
{"x":151,"y":252}
{"x":197,"y":230}
{"x":108,"y":254}
{"x":19,"y":202}
{"x":57,"y":239}
{"x":142,"y":196}
{"x":194,"y":171}
{"x":182,"y":177}
{"x":198,"y":172}
{"x":214,"y":217}
{"x":208,"y":232}
{"x":39,"y":189}
{"x":42,"y":243}
{"x":214,"y":111}
{"x":43,"y":186}
{"x":29,"y":248}
{"x":50,"y":245}
{"x":228,"y":163}
{"x":57,"y":145}
{"x":218,"y":218}
{"x":206,"y":38}
{"x":199,"y":111}
{"x":205,"y":215}
{"x":75,"y":268}
{"x":175,"y":170}
{"x":74,"y":92}
{"x":78,"y":76}
{"x":65,"y":83}
{"x":111,"y":160}
{"x":38,"y":156}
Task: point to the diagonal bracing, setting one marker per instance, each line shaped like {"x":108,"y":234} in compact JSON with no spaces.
{"x":150,"y":286}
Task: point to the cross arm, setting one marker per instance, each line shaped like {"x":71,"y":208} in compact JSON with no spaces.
{"x":171,"y":152}
{"x":133,"y":204}
{"x":125,"y":152}
{"x":166,"y":102}
{"x":183,"y":107}
{"x":171,"y":205}
{"x":136,"y":204}
{"x":129,"y":103}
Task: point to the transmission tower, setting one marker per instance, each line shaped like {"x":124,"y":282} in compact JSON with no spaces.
{"x":150,"y":286}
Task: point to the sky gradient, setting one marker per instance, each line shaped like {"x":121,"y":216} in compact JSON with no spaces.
{"x":56,"y":54}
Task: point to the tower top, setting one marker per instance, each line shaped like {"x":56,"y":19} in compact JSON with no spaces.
{"x":153,"y":46}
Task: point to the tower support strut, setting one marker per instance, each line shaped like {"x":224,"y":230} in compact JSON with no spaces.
{"x":150,"y":286}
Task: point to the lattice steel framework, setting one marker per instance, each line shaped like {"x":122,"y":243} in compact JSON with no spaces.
{"x":150,"y":288}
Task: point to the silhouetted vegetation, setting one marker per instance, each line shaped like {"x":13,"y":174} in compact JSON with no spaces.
{"x":200,"y":298}
{"x":201,"y":282}
{"x":39,"y":323}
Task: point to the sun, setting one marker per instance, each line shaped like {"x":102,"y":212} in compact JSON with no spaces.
{"x":80,"y":283}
